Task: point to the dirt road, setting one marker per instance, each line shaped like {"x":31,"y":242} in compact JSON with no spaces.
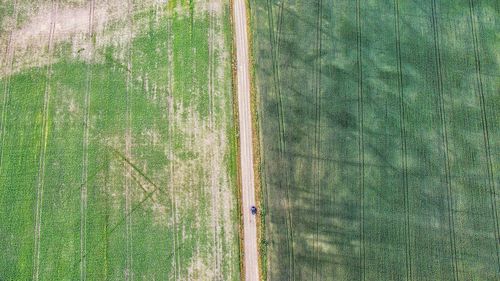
{"x":246,"y":156}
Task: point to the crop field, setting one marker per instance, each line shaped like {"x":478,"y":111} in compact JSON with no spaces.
{"x":117,"y":142}
{"x":380,"y":138}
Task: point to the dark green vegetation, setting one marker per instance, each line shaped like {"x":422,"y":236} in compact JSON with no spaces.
{"x":381,"y":138}
{"x":116,"y":142}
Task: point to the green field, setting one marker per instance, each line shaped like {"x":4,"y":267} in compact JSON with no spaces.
{"x":380,"y":138}
{"x":117,"y":142}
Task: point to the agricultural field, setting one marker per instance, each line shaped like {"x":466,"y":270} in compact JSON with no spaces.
{"x":380,"y":138}
{"x":117,"y":141}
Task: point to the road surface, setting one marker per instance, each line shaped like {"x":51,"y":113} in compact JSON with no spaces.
{"x":250,"y":252}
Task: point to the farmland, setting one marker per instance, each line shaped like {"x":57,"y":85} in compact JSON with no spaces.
{"x":380,"y":138}
{"x":117,"y":141}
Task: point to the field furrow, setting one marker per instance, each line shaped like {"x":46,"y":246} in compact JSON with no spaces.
{"x":170,"y":148}
{"x":404,"y":153}
{"x":361,"y":143}
{"x":129,"y":270}
{"x":85,"y":154}
{"x":442,"y":115}
{"x":43,"y":148}
{"x":317,"y":130}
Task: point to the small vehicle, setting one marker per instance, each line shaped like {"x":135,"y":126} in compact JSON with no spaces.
{"x":253,"y":209}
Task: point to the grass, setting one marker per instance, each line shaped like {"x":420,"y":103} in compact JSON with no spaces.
{"x":152,"y":200}
{"x":378,"y":138}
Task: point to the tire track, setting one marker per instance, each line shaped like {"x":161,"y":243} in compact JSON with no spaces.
{"x":279,"y":29}
{"x":43,"y":150}
{"x":442,"y":114}
{"x":361,"y":155}
{"x":211,"y":74}
{"x":213,"y":185}
{"x":106,"y":217}
{"x":171,"y":156}
{"x":317,"y":131}
{"x":484,"y":124}
{"x":86,"y":122}
{"x":404,"y":158}
{"x":9,"y":61}
{"x":177,"y":269}
{"x":281,"y":129}
{"x":129,"y":274}
{"x":128,"y":153}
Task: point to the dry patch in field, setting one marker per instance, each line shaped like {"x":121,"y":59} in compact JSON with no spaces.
{"x":208,"y":6}
{"x":199,"y":270}
{"x":209,"y":146}
{"x":29,"y":42}
{"x":67,"y":110}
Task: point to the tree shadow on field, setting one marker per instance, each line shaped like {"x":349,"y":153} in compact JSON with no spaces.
{"x":373,"y":182}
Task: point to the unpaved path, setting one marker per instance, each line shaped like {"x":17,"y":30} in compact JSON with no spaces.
{"x":246,"y":155}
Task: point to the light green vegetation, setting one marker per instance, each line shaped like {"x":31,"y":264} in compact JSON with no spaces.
{"x":380,"y":138}
{"x":117,"y":142}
